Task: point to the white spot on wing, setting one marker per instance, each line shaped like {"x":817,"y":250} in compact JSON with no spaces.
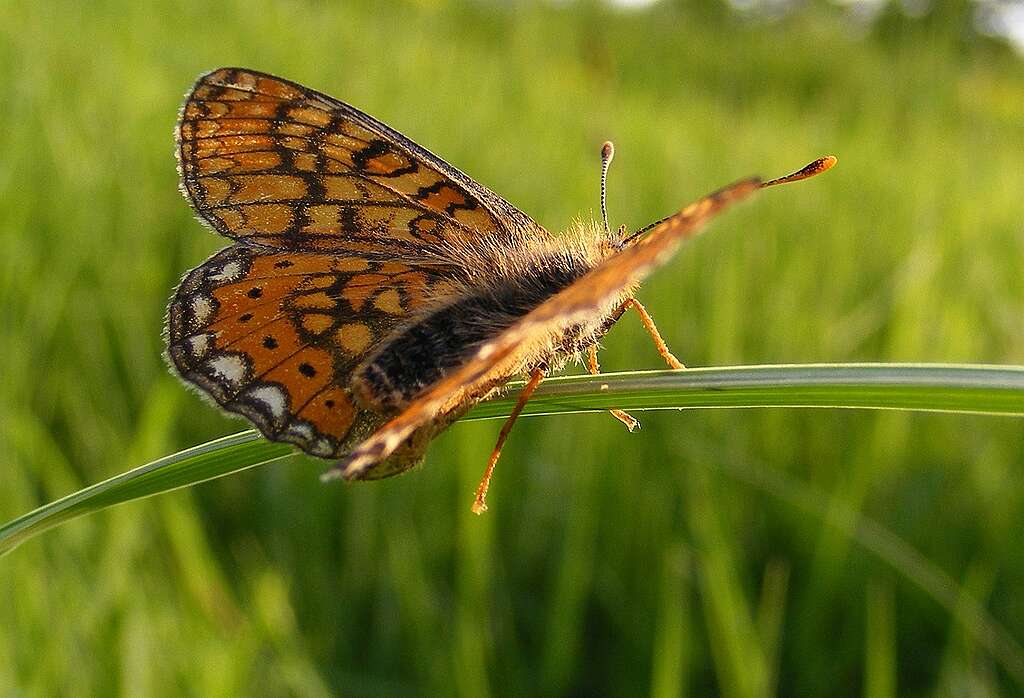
{"x":229,"y":367}
{"x":202,"y":308}
{"x":321,"y":448}
{"x":198,"y":345}
{"x":302,"y":430}
{"x":228,"y":272}
{"x":273,"y":397}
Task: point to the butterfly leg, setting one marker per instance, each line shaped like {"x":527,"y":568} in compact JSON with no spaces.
{"x":652,"y":329}
{"x":595,"y":368}
{"x":479,"y":505}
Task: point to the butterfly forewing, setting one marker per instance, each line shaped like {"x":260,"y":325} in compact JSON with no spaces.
{"x":267,"y":161}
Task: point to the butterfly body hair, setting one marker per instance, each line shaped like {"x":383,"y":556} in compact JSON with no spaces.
{"x":494,"y":286}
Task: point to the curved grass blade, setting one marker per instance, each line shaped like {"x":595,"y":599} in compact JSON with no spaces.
{"x":208,"y":461}
{"x":967,"y":389}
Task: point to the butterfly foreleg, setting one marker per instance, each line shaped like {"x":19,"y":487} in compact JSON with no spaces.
{"x":652,"y":330}
{"x":594,"y":368}
{"x":479,"y":503}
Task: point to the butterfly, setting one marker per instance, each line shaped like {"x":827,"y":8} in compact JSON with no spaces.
{"x":374,"y":293}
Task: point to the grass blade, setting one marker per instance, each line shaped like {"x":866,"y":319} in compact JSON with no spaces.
{"x":951,"y":388}
{"x":927,"y":387}
{"x":213,"y":459}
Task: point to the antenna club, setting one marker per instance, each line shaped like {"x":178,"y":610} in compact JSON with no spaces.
{"x":607,"y":152}
{"x":810,"y":170}
{"x":820,"y":165}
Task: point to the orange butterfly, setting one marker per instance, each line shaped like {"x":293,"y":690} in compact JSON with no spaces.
{"x":374,"y":292}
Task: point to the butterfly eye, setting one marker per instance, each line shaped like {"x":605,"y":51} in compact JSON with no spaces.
{"x":618,"y":241}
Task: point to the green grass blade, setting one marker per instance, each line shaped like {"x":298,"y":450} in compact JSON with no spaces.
{"x":957,"y":388}
{"x":224,"y":456}
{"x":929,"y":387}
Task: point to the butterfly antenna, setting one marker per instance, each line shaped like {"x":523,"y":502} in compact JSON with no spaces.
{"x":807,"y":171}
{"x":607,"y":153}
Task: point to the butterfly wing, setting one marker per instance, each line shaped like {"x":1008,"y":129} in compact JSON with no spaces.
{"x":274,"y":335}
{"x":319,"y":196}
{"x":268,"y":161}
{"x":497,"y":360}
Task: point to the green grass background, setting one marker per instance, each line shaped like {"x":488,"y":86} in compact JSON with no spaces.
{"x":739,"y":553}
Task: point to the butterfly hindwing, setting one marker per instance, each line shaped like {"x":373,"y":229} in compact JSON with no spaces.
{"x":274,"y":336}
{"x":267,"y":161}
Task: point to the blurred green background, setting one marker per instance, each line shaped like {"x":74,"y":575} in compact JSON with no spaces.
{"x":739,"y":553}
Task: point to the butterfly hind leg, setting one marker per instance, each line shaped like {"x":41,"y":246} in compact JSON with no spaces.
{"x":594,"y":368}
{"x":479,"y":503}
{"x":659,"y":343}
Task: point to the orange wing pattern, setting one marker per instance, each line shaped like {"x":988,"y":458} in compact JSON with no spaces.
{"x":501,"y":358}
{"x":274,"y":335}
{"x":264,"y":160}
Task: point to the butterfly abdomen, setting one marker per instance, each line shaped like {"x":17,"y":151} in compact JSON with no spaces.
{"x":448,"y":336}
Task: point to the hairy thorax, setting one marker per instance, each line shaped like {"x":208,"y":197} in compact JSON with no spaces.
{"x":503,"y":286}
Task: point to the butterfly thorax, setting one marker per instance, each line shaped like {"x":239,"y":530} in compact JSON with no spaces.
{"x":500,"y":286}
